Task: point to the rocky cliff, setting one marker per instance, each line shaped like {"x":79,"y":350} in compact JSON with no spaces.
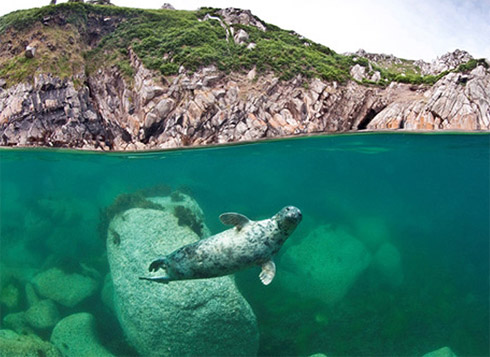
{"x":128,"y":105}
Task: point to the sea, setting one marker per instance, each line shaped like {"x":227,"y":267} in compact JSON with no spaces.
{"x":416,"y":207}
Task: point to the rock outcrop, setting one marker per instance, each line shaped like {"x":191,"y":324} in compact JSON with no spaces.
{"x":200,"y":317}
{"x":456,"y":102}
{"x":52,"y":112}
{"x":209,"y":107}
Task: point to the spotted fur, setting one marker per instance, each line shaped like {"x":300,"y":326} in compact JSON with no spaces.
{"x":245,"y":245}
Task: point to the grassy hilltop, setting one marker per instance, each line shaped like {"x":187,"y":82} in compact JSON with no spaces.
{"x":74,"y":38}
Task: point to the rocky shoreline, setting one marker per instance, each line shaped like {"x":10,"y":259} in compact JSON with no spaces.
{"x":209,"y":107}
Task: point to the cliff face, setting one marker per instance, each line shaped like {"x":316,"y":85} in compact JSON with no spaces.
{"x":105,"y":110}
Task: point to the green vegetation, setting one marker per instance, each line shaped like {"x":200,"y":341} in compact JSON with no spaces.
{"x":165,"y":40}
{"x":472,"y":64}
{"x":404,"y":72}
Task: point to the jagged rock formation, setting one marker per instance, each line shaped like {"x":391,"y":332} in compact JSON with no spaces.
{"x":455,"y":102}
{"x":209,"y":107}
{"x":103,"y":110}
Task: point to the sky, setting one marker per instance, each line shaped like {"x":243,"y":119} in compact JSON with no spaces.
{"x":411,"y":29}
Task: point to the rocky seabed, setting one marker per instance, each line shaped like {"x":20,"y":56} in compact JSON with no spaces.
{"x":55,"y":312}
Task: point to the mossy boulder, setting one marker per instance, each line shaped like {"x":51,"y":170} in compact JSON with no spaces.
{"x":199,"y":317}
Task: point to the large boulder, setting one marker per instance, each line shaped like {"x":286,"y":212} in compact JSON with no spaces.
{"x":199,"y":317}
{"x":324,"y":265}
{"x":75,"y":336}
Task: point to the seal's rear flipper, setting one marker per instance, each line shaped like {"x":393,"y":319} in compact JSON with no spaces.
{"x":268,"y":272}
{"x":157,"y":264}
{"x":157,"y":279}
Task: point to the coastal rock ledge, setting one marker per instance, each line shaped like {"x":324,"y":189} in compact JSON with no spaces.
{"x":208,"y":107}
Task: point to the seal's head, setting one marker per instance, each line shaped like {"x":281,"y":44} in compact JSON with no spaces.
{"x":288,"y":218}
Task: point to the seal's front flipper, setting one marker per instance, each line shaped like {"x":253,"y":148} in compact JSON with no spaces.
{"x":234,"y":219}
{"x":157,"y":279}
{"x":268,"y":272}
{"x":157,"y":264}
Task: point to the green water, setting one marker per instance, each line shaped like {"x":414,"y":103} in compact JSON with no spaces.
{"x":427,"y":195}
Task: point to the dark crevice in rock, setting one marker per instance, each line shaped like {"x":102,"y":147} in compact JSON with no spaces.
{"x":367,"y":119}
{"x":126,"y":136}
{"x":154,"y":130}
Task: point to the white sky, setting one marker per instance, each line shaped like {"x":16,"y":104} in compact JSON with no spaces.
{"x":411,"y":29}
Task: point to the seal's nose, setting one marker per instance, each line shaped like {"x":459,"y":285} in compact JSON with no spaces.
{"x":294,"y":213}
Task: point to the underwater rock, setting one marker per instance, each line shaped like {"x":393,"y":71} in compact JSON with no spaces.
{"x":17,"y":322}
{"x":107,"y":293}
{"x":14,"y":345}
{"x":441,"y":352}
{"x":31,"y":295}
{"x":75,"y":335}
{"x":372,"y":231}
{"x":387,"y":261}
{"x":66,"y":289}
{"x":324,"y":265}
{"x":198,"y":317}
{"x":43,"y":314}
{"x":9,"y":296}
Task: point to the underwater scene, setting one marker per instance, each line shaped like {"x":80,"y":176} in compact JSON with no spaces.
{"x":391,"y":257}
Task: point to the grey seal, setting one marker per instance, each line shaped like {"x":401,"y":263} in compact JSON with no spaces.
{"x":247,"y":244}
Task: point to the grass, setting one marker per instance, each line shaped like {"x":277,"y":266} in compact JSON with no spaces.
{"x":165,"y":40}
{"x":56,"y":52}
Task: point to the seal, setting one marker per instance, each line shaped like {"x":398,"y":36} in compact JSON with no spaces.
{"x":247,"y":244}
